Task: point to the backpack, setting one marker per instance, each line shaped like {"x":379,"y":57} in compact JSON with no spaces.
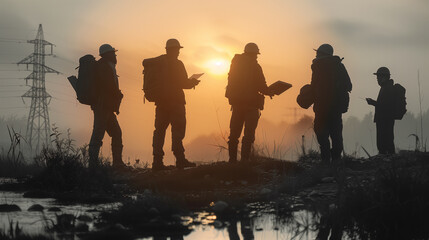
{"x":85,"y":85}
{"x":153,"y":77}
{"x":400,"y":102}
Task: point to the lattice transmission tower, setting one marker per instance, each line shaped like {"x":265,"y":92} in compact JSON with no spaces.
{"x":38,"y":126}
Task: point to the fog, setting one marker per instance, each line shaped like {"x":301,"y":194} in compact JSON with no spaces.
{"x":367,"y":34}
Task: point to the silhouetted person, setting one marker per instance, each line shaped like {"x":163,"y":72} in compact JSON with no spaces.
{"x":106,"y":105}
{"x":246,"y":86}
{"x":170,"y":108}
{"x":330,"y":225}
{"x":246,"y":229}
{"x":330,"y":83}
{"x":384,"y":110}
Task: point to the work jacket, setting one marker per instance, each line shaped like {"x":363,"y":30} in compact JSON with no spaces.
{"x":330,"y":83}
{"x":246,"y":83}
{"x":175,"y":79}
{"x":107,"y":85}
{"x":384,"y":107}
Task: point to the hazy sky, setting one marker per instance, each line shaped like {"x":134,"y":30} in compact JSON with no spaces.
{"x":368,"y":34}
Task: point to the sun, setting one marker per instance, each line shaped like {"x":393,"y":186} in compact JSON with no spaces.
{"x":217,"y":66}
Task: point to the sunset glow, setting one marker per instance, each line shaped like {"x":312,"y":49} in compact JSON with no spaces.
{"x":217,"y":66}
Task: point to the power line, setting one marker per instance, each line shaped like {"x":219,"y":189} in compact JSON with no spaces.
{"x":13,"y":107}
{"x":12,"y":90}
{"x":62,"y":100}
{"x":10,"y":96}
{"x":13,"y":39}
{"x":13,"y":85}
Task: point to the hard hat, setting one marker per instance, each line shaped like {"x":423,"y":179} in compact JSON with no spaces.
{"x":326,"y":49}
{"x":383,"y":71}
{"x":105,"y":48}
{"x":173,"y":43}
{"x":251,"y":48}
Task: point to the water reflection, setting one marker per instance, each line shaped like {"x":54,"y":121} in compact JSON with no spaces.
{"x":37,"y":221}
{"x":258,"y":223}
{"x":246,"y":230}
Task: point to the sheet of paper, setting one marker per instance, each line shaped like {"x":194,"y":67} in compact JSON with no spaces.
{"x":197,"y":75}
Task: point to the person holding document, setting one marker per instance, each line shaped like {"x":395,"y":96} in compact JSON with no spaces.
{"x":245,"y":92}
{"x":170,"y":107}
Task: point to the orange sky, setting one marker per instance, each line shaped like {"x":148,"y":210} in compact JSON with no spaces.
{"x":391,"y":34}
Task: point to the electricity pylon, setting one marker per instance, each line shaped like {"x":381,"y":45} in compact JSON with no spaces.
{"x":38,"y":126}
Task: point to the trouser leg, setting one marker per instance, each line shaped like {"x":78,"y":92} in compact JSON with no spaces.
{"x":115,"y":132}
{"x":247,"y":229}
{"x":232,"y":231}
{"x":178,"y":131}
{"x":235,"y":128}
{"x":379,"y":135}
{"x":322,"y":134}
{"x":161,"y":123}
{"x":336,"y":133}
{"x":96,"y":141}
{"x":385,"y":136}
{"x":250,"y":124}
{"x":390,"y":144}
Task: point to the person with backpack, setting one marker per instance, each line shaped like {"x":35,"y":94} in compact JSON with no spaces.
{"x":165,"y":77}
{"x":106,"y":103}
{"x":390,"y":105}
{"x":330,"y":85}
{"x":245,"y":92}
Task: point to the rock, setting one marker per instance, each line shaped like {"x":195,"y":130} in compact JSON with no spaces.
{"x":54,"y":209}
{"x":313,"y":193}
{"x":147,"y":192}
{"x":36,"y":208}
{"x":82,"y":227}
{"x":119,"y":226}
{"x":328,"y":179}
{"x":265,"y":191}
{"x":9,"y":208}
{"x":153,"y":211}
{"x":219,"y":206}
{"x":217,"y":224}
{"x":84,"y":218}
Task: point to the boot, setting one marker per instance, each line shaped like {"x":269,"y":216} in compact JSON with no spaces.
{"x":182,"y":162}
{"x":117,"y":162}
{"x":325,"y":154}
{"x":245,"y":151}
{"x":232,"y":149}
{"x":158,"y":164}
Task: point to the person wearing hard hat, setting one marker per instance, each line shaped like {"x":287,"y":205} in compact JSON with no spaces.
{"x":245,"y":92}
{"x":109,"y":98}
{"x":170,"y":108}
{"x":384,"y":110}
{"x":331,"y":85}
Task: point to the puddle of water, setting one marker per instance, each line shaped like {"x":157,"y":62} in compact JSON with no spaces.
{"x":35,"y":222}
{"x":267,"y":226}
{"x":259,"y":225}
